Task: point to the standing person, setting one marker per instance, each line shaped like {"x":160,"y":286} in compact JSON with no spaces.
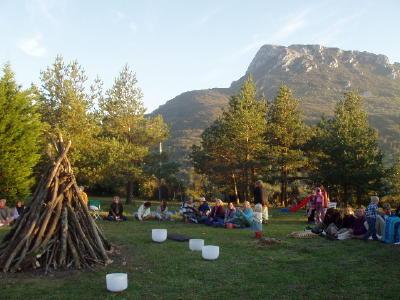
{"x":18,"y":209}
{"x":5,"y":213}
{"x":370,"y":215}
{"x":319,"y":206}
{"x":311,"y":209}
{"x":257,"y":220}
{"x":259,"y":193}
{"x":326,"y":198}
{"x":265,"y":215}
{"x":116,"y":210}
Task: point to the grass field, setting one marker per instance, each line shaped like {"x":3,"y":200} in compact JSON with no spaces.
{"x":297,"y":269}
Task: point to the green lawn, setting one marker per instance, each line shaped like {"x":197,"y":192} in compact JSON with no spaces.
{"x":312,"y":268}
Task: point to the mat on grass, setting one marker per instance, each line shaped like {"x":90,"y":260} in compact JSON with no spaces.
{"x":178,"y":237}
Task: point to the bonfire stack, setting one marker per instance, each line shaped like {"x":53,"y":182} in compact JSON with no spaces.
{"x":56,"y":231}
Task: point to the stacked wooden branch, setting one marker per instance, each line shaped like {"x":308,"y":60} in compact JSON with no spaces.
{"x":56,"y":231}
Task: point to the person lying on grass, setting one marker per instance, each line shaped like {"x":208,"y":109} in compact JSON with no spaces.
{"x":217,"y":214}
{"x":144,"y":212}
{"x":116,"y":210}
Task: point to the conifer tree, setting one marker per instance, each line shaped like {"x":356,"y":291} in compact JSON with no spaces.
{"x":20,"y":135}
{"x":350,"y":157}
{"x":234,"y":143}
{"x":285,"y":135}
{"x":66,"y":105}
{"x":128,"y":129}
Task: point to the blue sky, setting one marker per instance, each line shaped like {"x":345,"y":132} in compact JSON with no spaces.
{"x":176,"y":45}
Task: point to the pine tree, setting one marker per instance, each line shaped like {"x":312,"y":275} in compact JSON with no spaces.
{"x":233,"y":144}
{"x":130,"y":133}
{"x":350,"y":157}
{"x":285,"y":135}
{"x":20,"y":134}
{"x":67,"y":106}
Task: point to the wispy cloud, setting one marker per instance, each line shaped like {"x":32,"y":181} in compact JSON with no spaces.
{"x":133,"y":27}
{"x":44,"y":9}
{"x":256,"y":42}
{"x":118,"y":16}
{"x":292,"y":24}
{"x":203,"y":20}
{"x":33,"y":46}
{"x":331,"y":33}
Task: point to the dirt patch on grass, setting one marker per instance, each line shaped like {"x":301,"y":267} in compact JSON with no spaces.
{"x":119,"y":256}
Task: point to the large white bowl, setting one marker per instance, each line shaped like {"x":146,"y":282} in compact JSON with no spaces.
{"x":159,"y":235}
{"x":196,"y":244}
{"x":210,"y":252}
{"x":117,"y":282}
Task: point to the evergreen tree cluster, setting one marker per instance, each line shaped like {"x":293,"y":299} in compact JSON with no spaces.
{"x":112,"y":139}
{"x":258,"y":139}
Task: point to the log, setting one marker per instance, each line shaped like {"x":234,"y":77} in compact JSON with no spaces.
{"x":56,"y":231}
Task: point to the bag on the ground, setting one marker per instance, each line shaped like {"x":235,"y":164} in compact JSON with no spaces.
{"x":392,"y":227}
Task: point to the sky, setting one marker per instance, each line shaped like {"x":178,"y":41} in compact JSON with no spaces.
{"x":178,"y":45}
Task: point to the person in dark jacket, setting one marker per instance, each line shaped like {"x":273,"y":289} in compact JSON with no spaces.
{"x":116,"y":210}
{"x":259,"y":193}
{"x":217,"y":215}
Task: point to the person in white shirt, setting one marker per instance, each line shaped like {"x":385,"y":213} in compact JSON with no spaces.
{"x":144,"y":212}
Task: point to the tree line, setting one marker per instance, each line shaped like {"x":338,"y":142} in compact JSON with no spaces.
{"x":114,"y":144}
{"x":258,"y":139}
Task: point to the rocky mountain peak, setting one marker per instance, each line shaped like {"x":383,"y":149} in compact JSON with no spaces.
{"x":306,"y":58}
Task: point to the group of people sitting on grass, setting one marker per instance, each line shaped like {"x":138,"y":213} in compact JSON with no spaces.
{"x":7,"y":215}
{"x":361,"y":223}
{"x":216,"y":215}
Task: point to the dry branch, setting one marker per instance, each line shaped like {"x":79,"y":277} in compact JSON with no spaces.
{"x":56,"y":230}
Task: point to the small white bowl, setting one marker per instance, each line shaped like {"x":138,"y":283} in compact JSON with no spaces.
{"x":117,"y":282}
{"x":159,"y":235}
{"x":210,"y":252}
{"x":196,"y":244}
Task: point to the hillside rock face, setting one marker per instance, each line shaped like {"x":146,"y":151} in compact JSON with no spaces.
{"x":317,"y":75}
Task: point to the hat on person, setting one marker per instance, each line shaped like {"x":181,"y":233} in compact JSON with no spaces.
{"x":202,"y":199}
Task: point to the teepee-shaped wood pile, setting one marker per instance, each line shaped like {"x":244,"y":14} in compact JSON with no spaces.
{"x":56,"y":231}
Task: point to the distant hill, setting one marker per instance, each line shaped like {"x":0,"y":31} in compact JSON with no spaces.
{"x":317,"y":75}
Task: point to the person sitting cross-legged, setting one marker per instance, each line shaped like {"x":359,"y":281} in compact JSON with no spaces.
{"x":162,"y":213}
{"x":204,"y":210}
{"x":244,"y":216}
{"x":189,"y":212}
{"x":217,"y":215}
{"x":230,"y":213}
{"x":18,"y":209}
{"x":144,"y":212}
{"x":116,"y":210}
{"x":5,"y":213}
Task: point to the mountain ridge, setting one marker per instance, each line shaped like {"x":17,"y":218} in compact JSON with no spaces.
{"x":317,"y":75}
